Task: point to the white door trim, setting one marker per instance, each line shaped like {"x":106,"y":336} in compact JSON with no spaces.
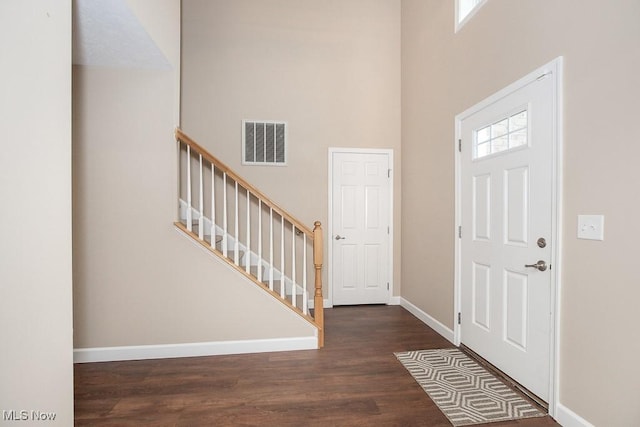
{"x":555,"y":69}
{"x":329,"y":233}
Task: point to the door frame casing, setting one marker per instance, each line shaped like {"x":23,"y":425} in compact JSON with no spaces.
{"x":330,"y":233}
{"x":554,"y":70}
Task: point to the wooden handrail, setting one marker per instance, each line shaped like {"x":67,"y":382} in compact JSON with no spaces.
{"x":183,"y":137}
{"x":315,"y":235}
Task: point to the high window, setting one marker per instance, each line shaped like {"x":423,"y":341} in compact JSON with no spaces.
{"x":465,"y":9}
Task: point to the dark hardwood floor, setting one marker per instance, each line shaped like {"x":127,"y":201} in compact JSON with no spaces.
{"x":354,"y":380}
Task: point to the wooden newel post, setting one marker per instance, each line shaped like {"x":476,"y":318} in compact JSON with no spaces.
{"x":318,"y":301}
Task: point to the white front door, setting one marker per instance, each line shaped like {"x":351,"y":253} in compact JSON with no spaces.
{"x":360,"y":227}
{"x":507,"y":190}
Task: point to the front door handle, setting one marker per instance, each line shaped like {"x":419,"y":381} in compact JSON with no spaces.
{"x":338,"y":237}
{"x":540,"y":265}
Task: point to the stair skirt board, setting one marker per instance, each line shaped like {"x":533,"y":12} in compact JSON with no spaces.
{"x":253,"y":257}
{"x":195,"y":215}
{"x":288,"y":282}
{"x":216,"y":348}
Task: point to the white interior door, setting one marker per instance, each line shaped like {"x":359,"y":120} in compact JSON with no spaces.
{"x":360,"y":227}
{"x":506,"y":212}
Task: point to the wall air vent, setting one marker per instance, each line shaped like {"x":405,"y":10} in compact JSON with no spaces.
{"x":264,"y":142}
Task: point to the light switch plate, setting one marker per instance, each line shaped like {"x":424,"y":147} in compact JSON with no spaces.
{"x":591,"y":227}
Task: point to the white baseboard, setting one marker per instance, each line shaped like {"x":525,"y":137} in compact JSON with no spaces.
{"x":325,"y":303}
{"x":428,"y":320}
{"x":395,"y":301}
{"x":143,"y":352}
{"x":567,"y":418}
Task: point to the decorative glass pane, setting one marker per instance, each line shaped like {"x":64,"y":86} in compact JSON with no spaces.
{"x":518,"y":121}
{"x":484,"y":134}
{"x":499,"y":144}
{"x":518,"y":138}
{"x":500,"y":128}
{"x":506,"y":134}
{"x":482,"y":150}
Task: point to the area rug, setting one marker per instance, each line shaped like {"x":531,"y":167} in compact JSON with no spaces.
{"x":463,"y":390}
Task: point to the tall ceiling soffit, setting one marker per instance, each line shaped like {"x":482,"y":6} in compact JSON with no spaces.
{"x":106,"y":33}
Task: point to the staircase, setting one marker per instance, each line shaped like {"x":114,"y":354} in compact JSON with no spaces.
{"x":237,"y":222}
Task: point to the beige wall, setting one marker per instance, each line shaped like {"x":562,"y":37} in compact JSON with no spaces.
{"x":445,"y":73}
{"x":36,"y":366}
{"x":136,"y":280}
{"x":331,"y":69}
{"x":161,"y":20}
{"x":158,"y":17}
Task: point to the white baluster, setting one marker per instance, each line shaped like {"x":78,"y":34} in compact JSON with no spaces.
{"x":305,"y":298}
{"x":282,"y":276}
{"x":271,"y":248}
{"x":201,"y":204}
{"x":225,"y":233}
{"x":294,"y":289}
{"x":213,"y":206}
{"x":189,"y":218}
{"x":237,"y":234}
{"x":260,"y":240}
{"x":247,"y":256}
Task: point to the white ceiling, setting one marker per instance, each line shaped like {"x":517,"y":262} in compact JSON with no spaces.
{"x":106,"y":33}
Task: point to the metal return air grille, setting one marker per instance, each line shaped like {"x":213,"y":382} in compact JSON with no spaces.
{"x":264,"y":143}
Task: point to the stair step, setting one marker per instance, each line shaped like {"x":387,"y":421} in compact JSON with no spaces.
{"x":276,"y":285}
{"x":230,"y":252}
{"x":253,"y":270}
{"x":196,"y":230}
{"x":207,"y":238}
{"x":231,"y":255}
{"x":287,"y":295}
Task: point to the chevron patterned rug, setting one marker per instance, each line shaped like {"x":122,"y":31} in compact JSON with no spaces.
{"x":463,"y":390}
